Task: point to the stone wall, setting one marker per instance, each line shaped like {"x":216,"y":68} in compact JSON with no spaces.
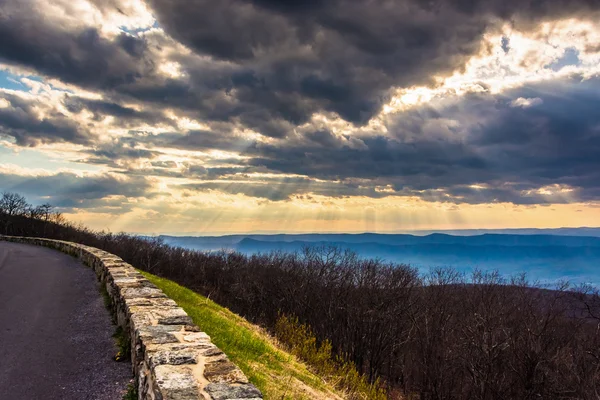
{"x":171,"y":357}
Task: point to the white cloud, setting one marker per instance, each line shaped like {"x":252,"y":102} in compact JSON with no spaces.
{"x":109,"y":16}
{"x":526,"y":103}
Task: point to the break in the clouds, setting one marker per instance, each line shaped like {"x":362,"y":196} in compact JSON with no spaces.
{"x":175,"y":106}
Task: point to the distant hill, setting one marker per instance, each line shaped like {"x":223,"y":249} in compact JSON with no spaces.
{"x":543,"y":257}
{"x":582,"y":231}
{"x":230,"y":241}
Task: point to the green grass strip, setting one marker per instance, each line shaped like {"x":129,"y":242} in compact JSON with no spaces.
{"x":278,"y":374}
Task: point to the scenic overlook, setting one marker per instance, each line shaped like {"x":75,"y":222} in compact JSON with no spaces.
{"x":298,"y":200}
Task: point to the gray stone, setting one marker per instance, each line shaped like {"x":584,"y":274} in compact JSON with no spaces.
{"x":224,"y":391}
{"x":196,"y":337}
{"x":125,"y":281}
{"x":156,"y":335}
{"x":172,"y":316}
{"x":176,"y":383}
{"x":212,"y":351}
{"x":221,"y":370}
{"x":181,"y":346}
{"x":140,"y":319}
{"x":151,"y":302}
{"x":148,"y":292}
{"x":161,"y":356}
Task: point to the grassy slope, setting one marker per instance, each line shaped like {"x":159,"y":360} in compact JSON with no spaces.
{"x":278,"y":374}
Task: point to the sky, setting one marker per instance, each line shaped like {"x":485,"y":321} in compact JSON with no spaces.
{"x":232,"y":116}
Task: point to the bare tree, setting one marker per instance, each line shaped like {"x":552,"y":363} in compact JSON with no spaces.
{"x":44,"y":211}
{"x":57,"y":218}
{"x":13,"y":204}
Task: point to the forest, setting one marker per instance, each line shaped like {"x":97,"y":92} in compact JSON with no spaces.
{"x":439,"y":335}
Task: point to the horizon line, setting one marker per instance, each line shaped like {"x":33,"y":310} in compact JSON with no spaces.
{"x":396,"y":232}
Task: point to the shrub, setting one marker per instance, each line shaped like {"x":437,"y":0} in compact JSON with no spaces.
{"x":302,"y":342}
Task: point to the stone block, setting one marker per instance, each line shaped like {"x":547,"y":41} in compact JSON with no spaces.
{"x":195,"y":337}
{"x":131,"y":293}
{"x":220,"y":370}
{"x":163,"y":354}
{"x":224,"y":391}
{"x":177,"y":382}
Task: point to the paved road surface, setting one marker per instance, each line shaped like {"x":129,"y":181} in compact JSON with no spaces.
{"x":55,"y":334}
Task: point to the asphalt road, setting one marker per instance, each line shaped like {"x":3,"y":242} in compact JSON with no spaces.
{"x":55,"y":333}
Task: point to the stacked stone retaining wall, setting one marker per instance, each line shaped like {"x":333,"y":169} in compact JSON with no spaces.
{"x":171,"y":357}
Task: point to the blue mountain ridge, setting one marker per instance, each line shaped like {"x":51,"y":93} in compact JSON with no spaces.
{"x":542,"y":257}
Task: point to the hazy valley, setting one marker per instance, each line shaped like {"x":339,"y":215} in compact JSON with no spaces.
{"x":548,"y":256}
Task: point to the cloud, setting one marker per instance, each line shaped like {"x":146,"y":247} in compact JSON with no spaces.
{"x":75,"y":54}
{"x":511,"y":151}
{"x":202,"y":140}
{"x":524,"y":103}
{"x":274,"y":100}
{"x":284,"y":188}
{"x":68,"y":190}
{"x":120,"y":155}
{"x":474,"y":149}
{"x":102,"y":108}
{"x":20,"y":119}
{"x":266,"y":65}
{"x":341,"y":55}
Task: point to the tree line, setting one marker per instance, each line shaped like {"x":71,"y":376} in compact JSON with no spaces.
{"x":440,"y":335}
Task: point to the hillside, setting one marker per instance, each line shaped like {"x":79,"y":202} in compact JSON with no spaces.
{"x":277,"y":373}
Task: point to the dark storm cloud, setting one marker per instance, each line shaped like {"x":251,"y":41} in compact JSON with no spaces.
{"x":438,"y":151}
{"x":382,"y":157}
{"x":339,"y":57}
{"x":142,"y":146}
{"x":511,"y":146}
{"x":124,"y":115}
{"x":68,"y":190}
{"x":76,"y":55}
{"x":119,"y":152}
{"x":342,"y":55}
{"x":21,"y":121}
{"x":125,"y":69}
{"x":115,"y":156}
{"x":279,"y":189}
{"x":281,"y":61}
{"x":272,"y":64}
{"x":200,"y":140}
